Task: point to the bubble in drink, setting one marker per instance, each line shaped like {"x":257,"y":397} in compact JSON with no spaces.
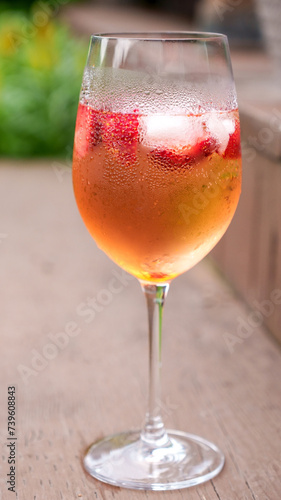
{"x":149,"y":185}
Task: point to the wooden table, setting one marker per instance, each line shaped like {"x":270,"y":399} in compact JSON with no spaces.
{"x":216,"y":383}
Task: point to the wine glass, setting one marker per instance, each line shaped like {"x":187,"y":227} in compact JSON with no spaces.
{"x":157,"y":175}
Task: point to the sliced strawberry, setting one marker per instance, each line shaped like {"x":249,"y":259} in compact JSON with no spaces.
{"x":184,"y":158}
{"x":88,"y":128}
{"x":120,"y":134}
{"x":233,"y":148}
{"x":204,"y":148}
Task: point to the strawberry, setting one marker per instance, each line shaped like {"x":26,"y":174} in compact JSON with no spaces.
{"x":187,"y":156}
{"x":204,"y":148}
{"x":120,"y":135}
{"x":87,"y":131}
{"x":233,"y":148}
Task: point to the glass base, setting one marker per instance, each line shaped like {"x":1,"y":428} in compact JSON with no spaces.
{"x":128,"y":461}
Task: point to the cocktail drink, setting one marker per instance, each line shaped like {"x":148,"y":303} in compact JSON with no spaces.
{"x":157,"y":178}
{"x":156,"y":191}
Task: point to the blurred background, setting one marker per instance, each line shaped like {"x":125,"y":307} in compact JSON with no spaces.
{"x":43,"y":45}
{"x":43,"y":48}
{"x":94,"y":384}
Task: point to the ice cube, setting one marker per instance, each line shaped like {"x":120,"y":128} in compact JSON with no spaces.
{"x":171,"y":131}
{"x":229,"y":125}
{"x":220,"y":128}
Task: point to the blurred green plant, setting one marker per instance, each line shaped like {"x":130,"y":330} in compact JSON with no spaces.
{"x":41,"y":70}
{"x":26,"y":4}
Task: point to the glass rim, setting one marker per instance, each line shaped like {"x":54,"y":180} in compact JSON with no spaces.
{"x":160,"y":36}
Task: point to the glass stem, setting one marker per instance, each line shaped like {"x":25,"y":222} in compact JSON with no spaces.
{"x":154,"y":432}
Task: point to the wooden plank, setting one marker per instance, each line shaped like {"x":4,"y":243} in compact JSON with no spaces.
{"x":249,"y":254}
{"x":215,"y":382}
{"x":274,"y":256}
{"x":262,"y":119}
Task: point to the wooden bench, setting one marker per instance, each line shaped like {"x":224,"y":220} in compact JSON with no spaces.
{"x":78,"y":377}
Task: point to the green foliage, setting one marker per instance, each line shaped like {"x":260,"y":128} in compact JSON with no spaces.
{"x":40,"y":76}
{"x":27,"y":4}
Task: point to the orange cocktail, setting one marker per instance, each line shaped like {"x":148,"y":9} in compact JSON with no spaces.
{"x":156,"y":192}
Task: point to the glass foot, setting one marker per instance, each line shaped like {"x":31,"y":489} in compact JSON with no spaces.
{"x":128,"y":461}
